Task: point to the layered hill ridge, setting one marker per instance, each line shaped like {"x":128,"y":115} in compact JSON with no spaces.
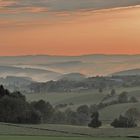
{"x":128,"y":72}
{"x":47,"y":67}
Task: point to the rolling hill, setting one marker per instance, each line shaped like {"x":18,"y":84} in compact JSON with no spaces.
{"x":33,"y":73}
{"x":90,"y":65}
{"x":128,"y":72}
{"x":72,"y":77}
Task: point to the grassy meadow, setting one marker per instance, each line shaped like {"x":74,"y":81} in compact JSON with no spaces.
{"x":81,"y":97}
{"x":58,"y":138}
{"x":66,"y":132}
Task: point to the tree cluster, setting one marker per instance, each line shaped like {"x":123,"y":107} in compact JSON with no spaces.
{"x":124,"y":122}
{"x":15,"y":109}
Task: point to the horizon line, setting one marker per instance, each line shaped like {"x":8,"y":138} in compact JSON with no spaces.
{"x":96,"y":54}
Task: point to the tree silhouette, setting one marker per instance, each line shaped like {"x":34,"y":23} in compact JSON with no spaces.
{"x":95,"y":122}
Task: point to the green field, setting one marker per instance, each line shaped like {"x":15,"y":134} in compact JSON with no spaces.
{"x":78,"y":98}
{"x":111,"y":112}
{"x":59,"y":138}
{"x":50,"y":130}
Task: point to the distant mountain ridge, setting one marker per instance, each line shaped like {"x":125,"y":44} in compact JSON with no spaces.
{"x":33,"y":73}
{"x":72,"y":77}
{"x":49,"y":67}
{"x":128,"y":72}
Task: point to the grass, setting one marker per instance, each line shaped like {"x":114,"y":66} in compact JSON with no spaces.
{"x":6,"y":129}
{"x":111,"y":112}
{"x":77,"y":98}
{"x":59,"y":138}
{"x":65,"y":131}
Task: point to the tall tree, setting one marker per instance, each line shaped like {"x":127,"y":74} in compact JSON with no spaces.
{"x":95,"y":122}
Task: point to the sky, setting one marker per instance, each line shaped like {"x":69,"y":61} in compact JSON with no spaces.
{"x":69,"y":27}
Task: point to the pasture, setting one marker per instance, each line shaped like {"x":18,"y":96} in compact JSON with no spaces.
{"x":82,"y":97}
{"x":51,"y":130}
{"x":59,"y":138}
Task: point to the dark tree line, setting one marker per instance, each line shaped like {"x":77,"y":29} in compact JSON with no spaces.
{"x":15,"y":109}
{"x":99,"y":83}
{"x":124,"y":122}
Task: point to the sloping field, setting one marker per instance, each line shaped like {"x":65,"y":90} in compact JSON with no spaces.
{"x":77,"y":98}
{"x":109,"y":113}
{"x":65,"y":131}
{"x":60,"y":138}
{"x":11,"y":129}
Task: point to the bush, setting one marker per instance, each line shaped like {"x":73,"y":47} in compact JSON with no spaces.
{"x":83,"y":109}
{"x":71,"y":117}
{"x":3,"y":92}
{"x":58,"y":117}
{"x":45,"y":108}
{"x":113,"y":92}
{"x":30,"y":117}
{"x":124,"y":122}
{"x":133,"y":113}
{"x":123,"y":98}
{"x":133,"y":100}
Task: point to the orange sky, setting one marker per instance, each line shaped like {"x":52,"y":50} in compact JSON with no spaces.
{"x":104,"y":31}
